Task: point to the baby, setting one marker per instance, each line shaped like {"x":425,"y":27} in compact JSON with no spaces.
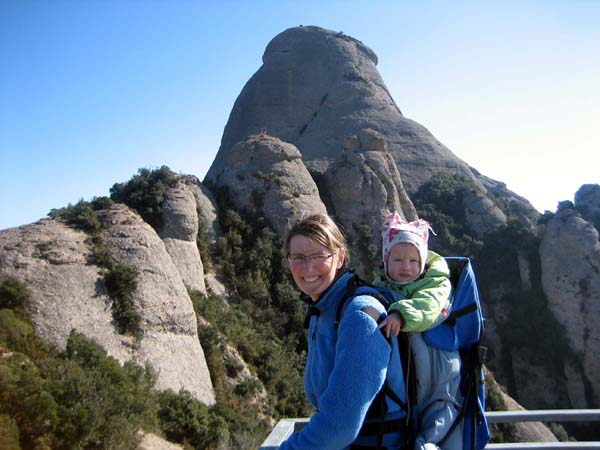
{"x":422,"y":277}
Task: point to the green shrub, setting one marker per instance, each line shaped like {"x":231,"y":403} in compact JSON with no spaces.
{"x":252,"y":258}
{"x":202,"y":242}
{"x":247,"y":388}
{"x":99,"y":252}
{"x":146,"y":192}
{"x":81,"y":216}
{"x":24,"y":398}
{"x":81,"y":398}
{"x":99,"y":203}
{"x":187,"y":421}
{"x":13,"y":294}
{"x":121,"y":283}
{"x":440,"y":201}
{"x":100,"y":403}
{"x":9,"y":433}
{"x":232,"y":366}
{"x":279,"y":363}
{"x":17,"y":334}
{"x":500,"y":432}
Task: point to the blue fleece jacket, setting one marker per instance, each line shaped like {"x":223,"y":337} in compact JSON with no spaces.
{"x":345,"y":369}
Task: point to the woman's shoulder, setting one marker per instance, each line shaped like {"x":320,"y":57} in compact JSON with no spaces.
{"x":356,"y":295}
{"x":364,"y":300}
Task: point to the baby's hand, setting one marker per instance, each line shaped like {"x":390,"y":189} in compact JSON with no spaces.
{"x":393,"y":323}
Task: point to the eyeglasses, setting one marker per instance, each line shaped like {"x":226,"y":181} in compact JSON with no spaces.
{"x":317,"y":259}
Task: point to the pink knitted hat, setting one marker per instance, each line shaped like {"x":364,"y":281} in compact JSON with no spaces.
{"x":395,"y":230}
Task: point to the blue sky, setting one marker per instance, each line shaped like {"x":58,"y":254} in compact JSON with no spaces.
{"x":91,"y":91}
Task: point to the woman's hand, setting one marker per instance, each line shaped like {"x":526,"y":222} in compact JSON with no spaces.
{"x":393,"y":323}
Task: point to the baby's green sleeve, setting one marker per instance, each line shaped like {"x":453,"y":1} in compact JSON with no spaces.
{"x":421,"y":311}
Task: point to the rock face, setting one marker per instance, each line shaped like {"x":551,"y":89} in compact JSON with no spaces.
{"x":587,"y":201}
{"x":516,"y":206}
{"x":570,"y":257}
{"x":317,"y":87}
{"x":320,"y":91}
{"x":153,"y":442}
{"x":179,"y":231}
{"x":66,"y":292}
{"x":206,"y":205}
{"x":482,"y":214}
{"x":209,"y":230}
{"x":264,"y":172}
{"x":377,"y":190}
{"x":69,"y":293}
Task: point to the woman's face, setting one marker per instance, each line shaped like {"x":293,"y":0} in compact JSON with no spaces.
{"x":313,"y":265}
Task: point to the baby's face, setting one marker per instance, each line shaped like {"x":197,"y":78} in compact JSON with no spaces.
{"x":404,"y":262}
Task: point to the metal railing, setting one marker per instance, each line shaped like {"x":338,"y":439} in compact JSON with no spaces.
{"x":286,"y":427}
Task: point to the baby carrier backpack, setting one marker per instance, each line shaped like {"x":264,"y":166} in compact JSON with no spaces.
{"x":462,"y":330}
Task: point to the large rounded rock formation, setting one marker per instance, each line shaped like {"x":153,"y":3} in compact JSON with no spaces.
{"x":570,"y":257}
{"x":68,"y":292}
{"x":265,"y":173}
{"x":315,"y":88}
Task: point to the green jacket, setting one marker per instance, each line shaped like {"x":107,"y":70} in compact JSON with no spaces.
{"x":425,"y":298}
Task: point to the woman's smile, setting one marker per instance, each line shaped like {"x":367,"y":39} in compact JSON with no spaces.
{"x":313,"y":265}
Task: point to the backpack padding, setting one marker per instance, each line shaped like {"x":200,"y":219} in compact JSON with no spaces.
{"x":464,"y":326}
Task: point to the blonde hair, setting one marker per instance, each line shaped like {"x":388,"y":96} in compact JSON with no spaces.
{"x":320,"y":228}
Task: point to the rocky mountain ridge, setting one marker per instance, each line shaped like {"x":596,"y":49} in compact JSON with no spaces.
{"x":67,"y":293}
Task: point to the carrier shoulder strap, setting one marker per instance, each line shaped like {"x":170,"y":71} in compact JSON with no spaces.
{"x":457,"y":265}
{"x":353,"y":284}
{"x":456,"y":314}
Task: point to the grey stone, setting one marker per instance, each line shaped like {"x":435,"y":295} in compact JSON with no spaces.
{"x":186,"y":258}
{"x":180,"y":218}
{"x":68,"y":293}
{"x":570,"y":257}
{"x":587,"y":201}
{"x":179,"y":230}
{"x":482,"y":215}
{"x":264,"y":172}
{"x":208,"y":210}
{"x":151,"y":441}
{"x":170,"y":341}
{"x":315,"y":88}
{"x":377,"y":190}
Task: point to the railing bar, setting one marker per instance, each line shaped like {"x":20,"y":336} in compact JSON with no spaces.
{"x":280,"y":433}
{"x":554,"y":415}
{"x":286,"y":427}
{"x":543,"y":445}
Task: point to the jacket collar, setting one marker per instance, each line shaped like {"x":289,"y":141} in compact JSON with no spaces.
{"x":333,"y":293}
{"x":328,"y":299}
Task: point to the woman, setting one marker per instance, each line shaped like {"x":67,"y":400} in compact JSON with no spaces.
{"x":348,"y":364}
